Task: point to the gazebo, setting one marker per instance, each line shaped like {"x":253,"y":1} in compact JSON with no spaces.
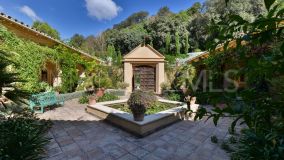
{"x":144,"y":69}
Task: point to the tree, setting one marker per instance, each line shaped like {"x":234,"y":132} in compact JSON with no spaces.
{"x":164,"y":11}
{"x":158,"y":28}
{"x":186,"y":47}
{"x":110,"y":51}
{"x":199,"y":33}
{"x":46,"y":28}
{"x":89,"y":45}
{"x":127,"y":39}
{"x":135,"y":18}
{"x":119,"y":58}
{"x":249,"y":9}
{"x":195,"y":9}
{"x":168,"y":43}
{"x":259,"y":107}
{"x":77,"y":40}
{"x":100,"y":45}
{"x":177,"y":43}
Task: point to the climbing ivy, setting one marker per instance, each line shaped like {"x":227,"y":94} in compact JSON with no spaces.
{"x":31,"y":58}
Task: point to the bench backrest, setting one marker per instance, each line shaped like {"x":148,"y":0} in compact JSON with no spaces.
{"x":44,"y":99}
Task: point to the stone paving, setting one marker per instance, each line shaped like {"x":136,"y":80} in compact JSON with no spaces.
{"x":78,"y":135}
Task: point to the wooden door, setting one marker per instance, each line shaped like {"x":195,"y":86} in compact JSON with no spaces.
{"x":146,"y":76}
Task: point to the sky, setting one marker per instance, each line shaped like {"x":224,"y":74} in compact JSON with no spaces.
{"x":86,"y":17}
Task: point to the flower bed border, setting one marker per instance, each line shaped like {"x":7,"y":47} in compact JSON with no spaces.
{"x":151,"y":122}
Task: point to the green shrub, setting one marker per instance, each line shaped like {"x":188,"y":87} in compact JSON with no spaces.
{"x":22,"y":136}
{"x":158,"y":107}
{"x":165,"y":86}
{"x":140,"y":100}
{"x":84,"y":100}
{"x":107,"y":97}
{"x":174,"y":96}
{"x":232,"y":140}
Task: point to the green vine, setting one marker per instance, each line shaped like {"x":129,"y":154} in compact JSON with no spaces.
{"x":31,"y":58}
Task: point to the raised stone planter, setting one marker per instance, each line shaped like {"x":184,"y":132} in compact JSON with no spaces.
{"x":151,"y":122}
{"x":117,"y":92}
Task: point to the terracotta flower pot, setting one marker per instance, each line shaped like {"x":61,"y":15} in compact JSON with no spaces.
{"x":138,"y":117}
{"x":100,"y":92}
{"x":92,"y":100}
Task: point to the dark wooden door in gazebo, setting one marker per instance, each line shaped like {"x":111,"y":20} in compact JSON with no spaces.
{"x":146,"y":76}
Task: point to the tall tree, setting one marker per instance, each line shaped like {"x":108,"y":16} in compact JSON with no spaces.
{"x":168,"y":42}
{"x":164,"y":11}
{"x":186,"y":47}
{"x":248,"y":9}
{"x":196,"y":8}
{"x":119,"y":58}
{"x":88,"y":45}
{"x":110,"y":50}
{"x":177,"y":43}
{"x":127,"y":39}
{"x":131,"y":20}
{"x":77,"y":40}
{"x":46,"y":28}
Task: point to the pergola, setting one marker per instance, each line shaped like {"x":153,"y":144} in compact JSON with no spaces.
{"x":144,"y":68}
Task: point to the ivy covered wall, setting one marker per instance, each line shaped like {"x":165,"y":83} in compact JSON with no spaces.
{"x":31,"y":58}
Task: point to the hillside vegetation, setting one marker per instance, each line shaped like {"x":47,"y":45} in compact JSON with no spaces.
{"x":170,"y":33}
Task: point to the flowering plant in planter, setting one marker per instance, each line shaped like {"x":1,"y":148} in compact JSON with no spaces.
{"x":138,"y":103}
{"x":101,"y":82}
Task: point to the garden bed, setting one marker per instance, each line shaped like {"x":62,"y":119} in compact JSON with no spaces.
{"x":157,"y":107}
{"x":112,"y":112}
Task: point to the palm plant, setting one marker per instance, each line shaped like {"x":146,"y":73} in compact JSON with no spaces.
{"x":22,"y":134}
{"x":8,"y":81}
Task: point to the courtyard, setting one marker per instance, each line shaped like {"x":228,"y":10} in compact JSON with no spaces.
{"x":138,"y":80}
{"x":77,"y":135}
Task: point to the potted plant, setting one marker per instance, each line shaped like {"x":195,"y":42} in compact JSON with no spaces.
{"x":92,"y":99}
{"x":138,"y":103}
{"x":100,"y":84}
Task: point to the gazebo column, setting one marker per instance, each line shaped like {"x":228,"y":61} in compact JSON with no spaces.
{"x":128,"y":74}
{"x":160,"y":76}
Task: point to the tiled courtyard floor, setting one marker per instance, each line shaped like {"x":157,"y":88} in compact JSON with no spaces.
{"x":78,"y":135}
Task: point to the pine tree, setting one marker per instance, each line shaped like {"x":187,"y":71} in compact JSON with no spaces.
{"x":177,"y":43}
{"x":109,"y":51}
{"x":119,"y":58}
{"x":114,"y":55}
{"x":186,"y":47}
{"x":168,"y":42}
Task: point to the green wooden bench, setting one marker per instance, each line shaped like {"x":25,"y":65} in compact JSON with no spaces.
{"x":43,"y":100}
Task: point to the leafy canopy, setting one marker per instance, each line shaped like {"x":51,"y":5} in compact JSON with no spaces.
{"x":46,"y":28}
